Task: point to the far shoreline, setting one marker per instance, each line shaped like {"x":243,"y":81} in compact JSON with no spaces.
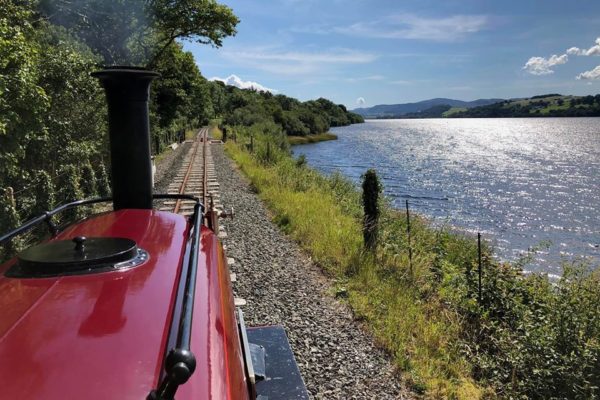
{"x":321,"y":137}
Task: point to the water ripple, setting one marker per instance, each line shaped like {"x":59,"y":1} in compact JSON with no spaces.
{"x":522,"y":181}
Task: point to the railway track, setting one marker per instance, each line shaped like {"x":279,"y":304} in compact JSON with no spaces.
{"x":196,"y":177}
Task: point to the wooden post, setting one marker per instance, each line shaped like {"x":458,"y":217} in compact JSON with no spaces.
{"x":410,"y":263}
{"x":479,"y":263}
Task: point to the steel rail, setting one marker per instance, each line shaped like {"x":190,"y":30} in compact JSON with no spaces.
{"x":204,"y":168}
{"x":187,"y":176}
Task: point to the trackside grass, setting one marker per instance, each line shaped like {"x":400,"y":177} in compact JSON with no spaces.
{"x":323,"y":215}
{"x":311,"y":138}
{"x":525,"y":338}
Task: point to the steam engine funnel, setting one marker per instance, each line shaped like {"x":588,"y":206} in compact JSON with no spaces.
{"x":127,"y":90}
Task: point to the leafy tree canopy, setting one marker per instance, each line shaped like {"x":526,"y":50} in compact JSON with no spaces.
{"x":138,"y":32}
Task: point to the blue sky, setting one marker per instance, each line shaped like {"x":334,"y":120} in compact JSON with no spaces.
{"x":382,"y":52}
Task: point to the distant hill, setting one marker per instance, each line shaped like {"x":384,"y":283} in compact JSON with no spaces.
{"x":549,"y":105}
{"x":398,"y":110}
{"x":432,"y":112}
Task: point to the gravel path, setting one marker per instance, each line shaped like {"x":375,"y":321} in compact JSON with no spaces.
{"x":337,"y":359}
{"x":168,"y":167}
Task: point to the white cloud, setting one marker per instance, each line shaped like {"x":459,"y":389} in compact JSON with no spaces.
{"x":401,"y":82}
{"x":574,"y":51}
{"x":294,"y":63}
{"x":592,"y":51}
{"x":360,"y":101}
{"x":408,"y":26}
{"x":332,"y":57}
{"x":589,"y":75}
{"x":234,"y":80}
{"x":366,"y":78}
{"x":542,"y":66}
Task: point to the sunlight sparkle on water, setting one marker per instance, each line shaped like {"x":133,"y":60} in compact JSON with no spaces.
{"x":520,"y":182}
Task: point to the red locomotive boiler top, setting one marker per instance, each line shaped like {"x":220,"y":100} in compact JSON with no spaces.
{"x":104,"y":336}
{"x":133,"y":303}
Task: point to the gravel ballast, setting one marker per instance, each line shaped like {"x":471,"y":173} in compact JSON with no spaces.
{"x":336,"y":356}
{"x":168,"y":167}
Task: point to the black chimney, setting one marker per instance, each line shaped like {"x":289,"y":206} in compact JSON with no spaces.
{"x":127,"y":91}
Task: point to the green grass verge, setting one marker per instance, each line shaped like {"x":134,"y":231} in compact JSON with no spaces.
{"x":323,"y":215}
{"x":525,"y":337}
{"x":214,"y":131}
{"x":321,"y":137}
{"x":159,"y":157}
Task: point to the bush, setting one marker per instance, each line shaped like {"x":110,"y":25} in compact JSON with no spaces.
{"x":9,"y":220}
{"x":102,"y":181}
{"x":69,"y":191}
{"x":44,"y":194}
{"x":87,"y":181}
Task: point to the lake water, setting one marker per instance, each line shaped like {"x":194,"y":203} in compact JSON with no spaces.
{"x":520,"y":182}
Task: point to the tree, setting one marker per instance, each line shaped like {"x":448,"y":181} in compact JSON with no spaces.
{"x":43,"y":193}
{"x":87,"y":181}
{"x":23,"y":102}
{"x":9,"y":220}
{"x":201,"y":21}
{"x":75,"y":123}
{"x":138,"y":32}
{"x":181,"y":93}
{"x":102,"y":181}
{"x":69,"y":191}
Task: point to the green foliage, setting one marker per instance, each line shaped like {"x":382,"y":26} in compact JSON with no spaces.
{"x":268,"y":142}
{"x":528,"y":338}
{"x":550,"y":105}
{"x":301,"y":161}
{"x":137,"y":32}
{"x":52,"y":112}
{"x":249,"y":107}
{"x":371,"y":188}
{"x":102,"y":181}
{"x":87,"y":181}
{"x":9,"y":220}
{"x":534,"y":339}
{"x":320,"y":137}
{"x":433,"y":112}
{"x":112,"y":29}
{"x":23,"y":103}
{"x":44,"y":192}
{"x":201,"y":21}
{"x":50,"y":107}
{"x":68,"y":191}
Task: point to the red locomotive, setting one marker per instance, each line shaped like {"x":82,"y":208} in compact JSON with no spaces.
{"x":133,"y":303}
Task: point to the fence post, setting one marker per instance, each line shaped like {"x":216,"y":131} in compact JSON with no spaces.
{"x":370,"y":197}
{"x":410,"y":263}
{"x":479,"y":264}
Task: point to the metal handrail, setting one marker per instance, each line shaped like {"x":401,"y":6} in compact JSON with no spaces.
{"x":180,"y":362}
{"x":47,"y":216}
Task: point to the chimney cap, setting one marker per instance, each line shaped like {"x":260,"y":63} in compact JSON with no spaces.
{"x":120,"y":70}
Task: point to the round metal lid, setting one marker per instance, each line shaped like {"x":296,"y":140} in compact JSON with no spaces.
{"x":79,"y":255}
